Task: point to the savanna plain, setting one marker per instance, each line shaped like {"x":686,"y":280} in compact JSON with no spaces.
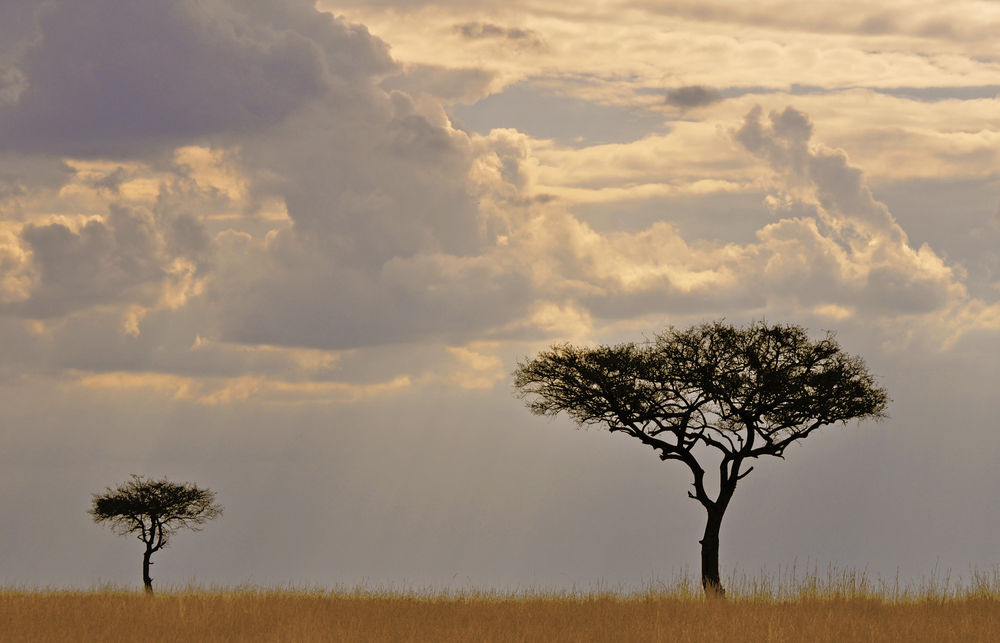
{"x":841,"y":605}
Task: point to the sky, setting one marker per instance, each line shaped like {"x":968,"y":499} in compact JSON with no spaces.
{"x":292,"y":252}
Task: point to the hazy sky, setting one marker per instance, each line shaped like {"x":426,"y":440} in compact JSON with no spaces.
{"x":293,"y":253}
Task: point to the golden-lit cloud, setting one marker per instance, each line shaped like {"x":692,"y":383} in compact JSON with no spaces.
{"x":476,"y":368}
{"x":217,"y":391}
{"x":326,"y":230}
{"x":718,"y":44}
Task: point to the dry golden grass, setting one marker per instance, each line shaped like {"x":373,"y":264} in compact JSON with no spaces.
{"x":842,"y":607}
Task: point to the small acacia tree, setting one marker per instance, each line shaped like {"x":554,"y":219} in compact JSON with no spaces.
{"x":155,"y":510}
{"x":711,"y":396}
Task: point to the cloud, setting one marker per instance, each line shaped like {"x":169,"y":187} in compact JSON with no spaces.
{"x":25,"y":175}
{"x":788,"y":46}
{"x":839,"y":187}
{"x":487,"y":30}
{"x":106,"y":79}
{"x":389,"y":226}
{"x":382,"y":194}
{"x":126,"y":257}
{"x":386,"y":210}
{"x":968,"y":21}
{"x":692,"y":96}
{"x":394,"y":217}
{"x":370,"y":181}
{"x":216,"y":391}
{"x":834,"y":247}
{"x":853,"y":243}
{"x":318,"y":303}
{"x":449,"y":85}
{"x":112,"y":181}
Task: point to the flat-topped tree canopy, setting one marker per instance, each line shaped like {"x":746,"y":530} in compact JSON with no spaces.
{"x":172,"y":505}
{"x":742,"y":392}
{"x":155,"y":510}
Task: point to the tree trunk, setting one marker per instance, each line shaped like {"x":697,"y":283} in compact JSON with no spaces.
{"x":710,"y":580}
{"x":146,"y":580}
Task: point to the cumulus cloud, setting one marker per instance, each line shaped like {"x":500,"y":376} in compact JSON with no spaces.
{"x":126,"y":257}
{"x":393,"y":226}
{"x":853,"y":243}
{"x":107,"y":79}
{"x":370,"y":180}
{"x":835,"y":248}
{"x":389,"y":208}
{"x":840,"y":188}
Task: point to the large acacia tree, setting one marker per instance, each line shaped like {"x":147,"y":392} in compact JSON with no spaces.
{"x":712,"y":397}
{"x":154,"y":510}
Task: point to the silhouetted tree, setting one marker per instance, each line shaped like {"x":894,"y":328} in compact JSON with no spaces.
{"x":155,"y":510}
{"x":712,"y":395}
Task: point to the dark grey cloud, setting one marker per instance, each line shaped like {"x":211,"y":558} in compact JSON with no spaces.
{"x":185,"y":236}
{"x":368,"y":186}
{"x":692,"y":96}
{"x":105,"y":78}
{"x":18,"y":29}
{"x":784,"y":144}
{"x":111,"y":181}
{"x":21,"y":175}
{"x":932,"y":94}
{"x":924,"y":94}
{"x":488,"y":30}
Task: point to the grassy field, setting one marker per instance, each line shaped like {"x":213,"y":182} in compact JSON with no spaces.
{"x":839,"y":607}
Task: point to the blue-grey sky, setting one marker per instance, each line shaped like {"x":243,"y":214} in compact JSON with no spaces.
{"x":292,"y":251}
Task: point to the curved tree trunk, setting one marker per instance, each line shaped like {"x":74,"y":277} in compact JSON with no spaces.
{"x":146,"y":580}
{"x":710,"y":580}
